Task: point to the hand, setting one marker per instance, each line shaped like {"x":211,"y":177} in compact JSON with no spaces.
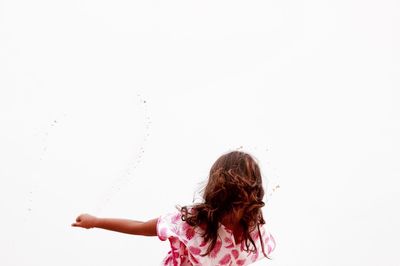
{"x":86,"y":221}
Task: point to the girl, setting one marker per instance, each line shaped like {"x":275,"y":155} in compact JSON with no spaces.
{"x":227,"y":228}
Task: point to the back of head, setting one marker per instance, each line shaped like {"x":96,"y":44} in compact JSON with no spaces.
{"x":234,"y":190}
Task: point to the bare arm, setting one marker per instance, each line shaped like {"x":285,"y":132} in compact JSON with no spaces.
{"x":126,"y":226}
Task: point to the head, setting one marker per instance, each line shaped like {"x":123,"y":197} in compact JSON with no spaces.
{"x":234,"y":193}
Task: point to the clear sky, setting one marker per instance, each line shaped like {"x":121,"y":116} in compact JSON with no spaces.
{"x":119,"y":109}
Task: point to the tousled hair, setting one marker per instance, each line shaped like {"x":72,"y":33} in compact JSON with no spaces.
{"x":234,"y":189}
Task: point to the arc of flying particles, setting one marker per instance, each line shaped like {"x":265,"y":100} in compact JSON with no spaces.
{"x":270,"y":192}
{"x":41,"y":136}
{"x":273,"y":184}
{"x":125,"y":177}
{"x":273,"y":181}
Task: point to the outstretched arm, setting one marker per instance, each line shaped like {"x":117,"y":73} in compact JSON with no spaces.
{"x":126,"y":226}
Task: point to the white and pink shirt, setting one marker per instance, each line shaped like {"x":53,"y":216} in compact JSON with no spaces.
{"x":187,"y":244}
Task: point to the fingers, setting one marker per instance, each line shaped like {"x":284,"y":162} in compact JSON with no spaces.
{"x":78,"y":220}
{"x":83,"y":220}
{"x":74,"y":224}
{"x":79,"y":225}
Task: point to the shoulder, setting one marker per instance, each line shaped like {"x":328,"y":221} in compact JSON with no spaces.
{"x":171,"y":225}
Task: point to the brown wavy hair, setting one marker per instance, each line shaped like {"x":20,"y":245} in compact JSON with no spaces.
{"x":234,"y":190}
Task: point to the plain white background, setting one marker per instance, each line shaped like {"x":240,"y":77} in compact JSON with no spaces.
{"x":119,"y":109}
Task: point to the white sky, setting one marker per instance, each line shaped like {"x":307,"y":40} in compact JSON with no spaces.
{"x":119,"y":109}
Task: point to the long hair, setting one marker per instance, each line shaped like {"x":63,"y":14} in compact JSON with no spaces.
{"x":234,"y":189}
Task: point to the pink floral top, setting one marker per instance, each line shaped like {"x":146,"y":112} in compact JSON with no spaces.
{"x":187,"y":244}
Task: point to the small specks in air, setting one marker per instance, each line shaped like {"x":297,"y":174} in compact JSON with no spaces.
{"x":276,"y":187}
{"x":126,"y":176}
{"x":45,"y":135}
{"x":274,"y":190}
{"x":29,"y":207}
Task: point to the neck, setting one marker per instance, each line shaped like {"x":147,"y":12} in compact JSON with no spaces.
{"x":230,"y":222}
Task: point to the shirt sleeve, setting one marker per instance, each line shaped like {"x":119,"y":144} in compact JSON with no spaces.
{"x":267,"y":239}
{"x":168,"y":226}
{"x":269,"y":242}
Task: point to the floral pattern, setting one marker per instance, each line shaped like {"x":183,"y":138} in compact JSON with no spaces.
{"x":187,"y":245}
